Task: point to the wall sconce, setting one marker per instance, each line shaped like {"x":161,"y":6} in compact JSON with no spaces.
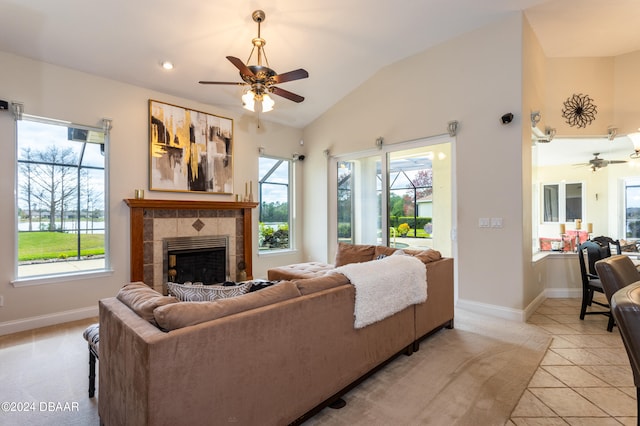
{"x":452,"y":128}
{"x":611,"y":133}
{"x":635,"y":139}
{"x":379,"y":142}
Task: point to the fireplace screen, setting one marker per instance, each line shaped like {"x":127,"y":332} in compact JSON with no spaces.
{"x":196,"y":259}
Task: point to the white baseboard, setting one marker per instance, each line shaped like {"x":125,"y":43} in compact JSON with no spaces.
{"x":492,"y":310}
{"x":47,"y":320}
{"x":534,"y":305}
{"x":521,"y":315}
{"x":563,"y":293}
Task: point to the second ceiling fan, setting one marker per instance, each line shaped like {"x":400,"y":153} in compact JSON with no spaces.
{"x":597,"y":163}
{"x":260,"y":78}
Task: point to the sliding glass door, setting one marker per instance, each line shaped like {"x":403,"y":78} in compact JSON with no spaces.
{"x":400,"y":197}
{"x":359,"y":200}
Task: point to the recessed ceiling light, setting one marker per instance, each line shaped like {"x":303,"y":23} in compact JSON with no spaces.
{"x":167,"y":65}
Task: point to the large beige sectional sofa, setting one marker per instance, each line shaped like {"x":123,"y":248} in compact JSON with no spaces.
{"x":271,"y":357}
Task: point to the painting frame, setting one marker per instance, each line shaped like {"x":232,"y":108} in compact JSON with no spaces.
{"x":189,"y":150}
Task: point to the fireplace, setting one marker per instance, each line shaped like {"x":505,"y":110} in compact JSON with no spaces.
{"x":196,"y":259}
{"x":153,"y":221}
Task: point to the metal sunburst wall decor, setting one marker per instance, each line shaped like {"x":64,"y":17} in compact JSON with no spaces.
{"x":579,"y":110}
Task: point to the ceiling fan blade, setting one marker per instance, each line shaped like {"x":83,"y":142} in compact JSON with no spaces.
{"x":617,"y":161}
{"x":222,"y":82}
{"x":241,"y":66}
{"x":286,"y":94}
{"x":290,"y":76}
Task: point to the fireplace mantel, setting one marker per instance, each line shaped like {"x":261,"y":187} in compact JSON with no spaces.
{"x":144,"y":208}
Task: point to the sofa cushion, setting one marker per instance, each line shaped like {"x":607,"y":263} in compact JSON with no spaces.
{"x":312,"y":285}
{"x":142,"y":299}
{"x":205,"y":293}
{"x":354,"y":253}
{"x":184,"y":314}
{"x":299,"y":270}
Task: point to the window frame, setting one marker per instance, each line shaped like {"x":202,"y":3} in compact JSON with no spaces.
{"x":632,"y":182}
{"x":69,"y":274}
{"x":562,"y":201}
{"x":290,"y":201}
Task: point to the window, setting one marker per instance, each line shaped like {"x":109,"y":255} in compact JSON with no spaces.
{"x":60,"y":198}
{"x":274,"y":191}
{"x":389,"y":197}
{"x":632,"y":210}
{"x":562,"y":202}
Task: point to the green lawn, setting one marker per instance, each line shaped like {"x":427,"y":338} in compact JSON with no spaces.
{"x":57,"y":245}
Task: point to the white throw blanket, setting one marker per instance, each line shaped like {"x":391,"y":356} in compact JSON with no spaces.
{"x":386,"y":286}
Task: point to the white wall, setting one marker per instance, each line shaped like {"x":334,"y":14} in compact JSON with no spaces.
{"x":533,"y":91}
{"x":60,"y":93}
{"x":474,"y":79}
{"x":626,"y":92}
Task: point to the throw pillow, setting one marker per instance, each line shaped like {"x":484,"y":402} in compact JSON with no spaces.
{"x":205,"y":293}
{"x":353,"y":253}
{"x":426,"y":256}
{"x":142,"y":299}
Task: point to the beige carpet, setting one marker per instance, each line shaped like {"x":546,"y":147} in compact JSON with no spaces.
{"x":474,"y":374}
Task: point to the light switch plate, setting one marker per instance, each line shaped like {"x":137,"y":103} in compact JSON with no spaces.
{"x":484,"y":222}
{"x":496,"y":222}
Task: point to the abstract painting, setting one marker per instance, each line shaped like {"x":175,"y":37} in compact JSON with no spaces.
{"x":190,"y":151}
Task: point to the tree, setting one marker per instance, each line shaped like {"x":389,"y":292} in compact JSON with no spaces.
{"x":90,"y":198}
{"x":51,"y":181}
{"x":423,"y":182}
{"x":25,"y":183}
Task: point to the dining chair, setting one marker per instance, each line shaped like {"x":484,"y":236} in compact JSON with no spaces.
{"x":589,"y":253}
{"x":608,"y":243}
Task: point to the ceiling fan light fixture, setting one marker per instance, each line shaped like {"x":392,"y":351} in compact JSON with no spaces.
{"x":267,"y":103}
{"x":261,"y":81}
{"x":248,"y":101}
{"x":635,"y":139}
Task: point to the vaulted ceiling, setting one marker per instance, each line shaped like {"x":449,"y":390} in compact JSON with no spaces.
{"x":340,"y":43}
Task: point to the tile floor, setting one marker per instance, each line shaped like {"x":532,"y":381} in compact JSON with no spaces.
{"x":584,"y":377}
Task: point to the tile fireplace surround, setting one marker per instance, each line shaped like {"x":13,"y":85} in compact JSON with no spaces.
{"x":153,"y":220}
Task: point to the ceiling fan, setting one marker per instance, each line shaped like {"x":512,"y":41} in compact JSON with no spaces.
{"x":262,"y":79}
{"x":597,"y":163}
